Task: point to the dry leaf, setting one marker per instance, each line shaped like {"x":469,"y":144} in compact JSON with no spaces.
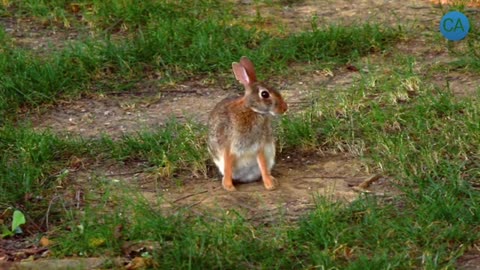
{"x":96,"y":242}
{"x":117,"y":234}
{"x":139,"y":263}
{"x":74,"y":7}
{"x":45,"y":242}
{"x":352,"y":68}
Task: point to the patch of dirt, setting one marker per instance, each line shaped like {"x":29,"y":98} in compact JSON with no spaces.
{"x":462,"y":85}
{"x":135,"y":110}
{"x":29,"y":33}
{"x":148,"y":107}
{"x":117,"y":115}
{"x":470,"y":260}
{"x":301,"y":180}
{"x":434,"y":62}
{"x":68,"y":263}
{"x":301,"y":177}
{"x":299,"y":15}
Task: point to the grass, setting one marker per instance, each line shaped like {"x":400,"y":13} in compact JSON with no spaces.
{"x":175,"y":147}
{"x":399,"y":124}
{"x":28,"y":161}
{"x":173,"y":42}
{"x":432,"y":153}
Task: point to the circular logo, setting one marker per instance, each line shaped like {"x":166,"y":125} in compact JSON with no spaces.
{"x":454,"y":26}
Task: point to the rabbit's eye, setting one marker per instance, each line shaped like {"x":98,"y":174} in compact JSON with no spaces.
{"x":264,"y":94}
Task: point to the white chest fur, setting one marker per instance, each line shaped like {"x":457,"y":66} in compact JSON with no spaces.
{"x":245,"y":166}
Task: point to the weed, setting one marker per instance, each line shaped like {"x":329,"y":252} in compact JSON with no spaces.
{"x":174,"y":147}
{"x":31,"y":164}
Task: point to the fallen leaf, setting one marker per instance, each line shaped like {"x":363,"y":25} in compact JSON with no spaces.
{"x":3,"y":256}
{"x":30,"y":258}
{"x":139,"y":263}
{"x":45,"y":242}
{"x":117,"y":233}
{"x":76,"y":163}
{"x":96,"y":242}
{"x":74,"y":7}
{"x":18,"y":220}
{"x":134,"y":249}
{"x":352,"y":68}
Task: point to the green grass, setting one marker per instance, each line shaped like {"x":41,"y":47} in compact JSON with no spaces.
{"x":431,"y":152}
{"x":175,"y":147}
{"x":113,"y":15}
{"x":32,"y":165}
{"x":175,"y":41}
{"x":421,"y":136}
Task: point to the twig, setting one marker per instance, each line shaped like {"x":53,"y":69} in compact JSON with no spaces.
{"x":188,"y":206}
{"x":179,"y":91}
{"x":125,"y":173}
{"x":48,"y":211}
{"x":367,"y":182}
{"x":189,"y":195}
{"x":193,"y":204}
{"x":112,"y":26}
{"x":321,"y":177}
{"x":198,"y":213}
{"x":119,"y":93}
{"x":78,"y":197}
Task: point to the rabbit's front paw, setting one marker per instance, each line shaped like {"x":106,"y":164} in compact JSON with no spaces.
{"x":270,"y":183}
{"x":228,"y":185}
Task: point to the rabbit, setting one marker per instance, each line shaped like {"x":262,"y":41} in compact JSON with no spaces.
{"x":240,"y":136}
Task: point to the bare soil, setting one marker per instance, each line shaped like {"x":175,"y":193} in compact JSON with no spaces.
{"x":302,"y":178}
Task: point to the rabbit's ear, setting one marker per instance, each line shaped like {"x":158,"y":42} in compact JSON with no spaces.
{"x":241,"y":74}
{"x":248,"y":65}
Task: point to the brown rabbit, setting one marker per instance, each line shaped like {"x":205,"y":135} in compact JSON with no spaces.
{"x":240,"y":138}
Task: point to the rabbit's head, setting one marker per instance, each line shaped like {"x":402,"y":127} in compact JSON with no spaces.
{"x":258,"y":97}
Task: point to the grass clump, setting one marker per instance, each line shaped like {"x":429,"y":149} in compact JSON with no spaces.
{"x":113,"y":15}
{"x":28,"y":80}
{"x":180,"y":241}
{"x":183,"y":46}
{"x":165,"y":38}
{"x":177,"y":146}
{"x":388,"y":236}
{"x":427,"y":140}
{"x":31,"y":163}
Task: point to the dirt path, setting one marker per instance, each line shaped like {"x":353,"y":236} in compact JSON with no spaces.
{"x":299,"y":15}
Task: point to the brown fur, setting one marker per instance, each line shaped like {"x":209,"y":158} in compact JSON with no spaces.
{"x":239,"y":124}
